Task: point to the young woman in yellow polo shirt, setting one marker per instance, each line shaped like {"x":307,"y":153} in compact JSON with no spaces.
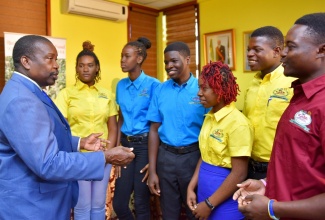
{"x":90,"y":108}
{"x":225,"y":142}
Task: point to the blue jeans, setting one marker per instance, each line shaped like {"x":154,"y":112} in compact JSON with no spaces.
{"x":92,"y":198}
{"x":129,"y":181}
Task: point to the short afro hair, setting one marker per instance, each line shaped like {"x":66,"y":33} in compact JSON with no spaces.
{"x":25,"y":46}
{"x":316,"y":26}
{"x":272,"y":33}
{"x":179,"y":46}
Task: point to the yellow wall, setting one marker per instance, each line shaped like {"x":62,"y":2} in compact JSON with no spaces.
{"x":247,"y":15}
{"x":108,"y":37}
{"x":215,"y":15}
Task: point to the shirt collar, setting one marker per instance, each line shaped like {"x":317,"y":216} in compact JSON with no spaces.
{"x":80,"y":85}
{"x":189,"y":82}
{"x":28,"y":79}
{"x":137,"y":82}
{"x":222,"y":112}
{"x":311,"y":87}
{"x":275,"y":74}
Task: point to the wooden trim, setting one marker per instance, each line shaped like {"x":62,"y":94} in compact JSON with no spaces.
{"x":180,"y":25}
{"x":144,"y":23}
{"x":198,"y":39}
{"x":48,"y":17}
{"x":28,"y":17}
{"x":143,"y":9}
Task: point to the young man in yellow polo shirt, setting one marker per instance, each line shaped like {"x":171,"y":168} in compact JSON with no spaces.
{"x":268,"y":95}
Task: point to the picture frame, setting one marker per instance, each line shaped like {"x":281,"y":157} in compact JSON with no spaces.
{"x":220,"y":45}
{"x":246,"y":37}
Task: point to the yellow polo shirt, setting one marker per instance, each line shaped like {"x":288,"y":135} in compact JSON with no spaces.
{"x":87,"y":109}
{"x":225,"y":134}
{"x":265,"y":101}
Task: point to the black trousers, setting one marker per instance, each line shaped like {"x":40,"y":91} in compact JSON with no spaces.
{"x":130,"y":181}
{"x":256,"y":170}
{"x":175,"y":171}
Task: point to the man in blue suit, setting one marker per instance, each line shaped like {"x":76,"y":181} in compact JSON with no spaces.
{"x":39,"y":159}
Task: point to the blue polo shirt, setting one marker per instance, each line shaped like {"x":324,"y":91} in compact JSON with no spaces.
{"x":179,"y":111}
{"x":134,"y":99}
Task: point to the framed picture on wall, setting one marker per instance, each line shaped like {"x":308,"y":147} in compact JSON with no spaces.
{"x":220,"y":45}
{"x":246,"y":37}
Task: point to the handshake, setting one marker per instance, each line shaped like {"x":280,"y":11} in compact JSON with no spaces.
{"x":119,"y":155}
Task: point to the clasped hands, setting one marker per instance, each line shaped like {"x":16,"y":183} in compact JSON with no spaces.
{"x":120,"y":156}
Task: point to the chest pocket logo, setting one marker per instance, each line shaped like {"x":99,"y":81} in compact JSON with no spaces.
{"x":144,"y":92}
{"x":217,"y":134}
{"x":102,"y":95}
{"x":195,"y":100}
{"x":302,"y":119}
{"x":280,"y":93}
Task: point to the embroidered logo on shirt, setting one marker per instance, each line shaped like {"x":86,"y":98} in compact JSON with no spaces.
{"x":217,"y":134}
{"x":102,"y":95}
{"x":302,"y":119}
{"x":144,"y":92}
{"x":280,"y":93}
{"x":195,"y":100}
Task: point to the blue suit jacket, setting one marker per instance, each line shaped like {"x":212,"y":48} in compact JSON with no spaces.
{"x":38,"y":169}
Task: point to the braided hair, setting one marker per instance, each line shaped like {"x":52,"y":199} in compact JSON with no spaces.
{"x":141,"y":45}
{"x":222,"y":81}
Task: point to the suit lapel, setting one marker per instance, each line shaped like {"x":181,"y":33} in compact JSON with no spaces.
{"x":47,"y":100}
{"x":61,"y":128}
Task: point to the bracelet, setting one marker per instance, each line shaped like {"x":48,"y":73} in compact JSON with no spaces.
{"x":209,"y":203}
{"x":263,"y":181}
{"x":270,"y":209}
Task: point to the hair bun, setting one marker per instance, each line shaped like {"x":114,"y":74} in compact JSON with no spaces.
{"x":145,"y":41}
{"x":88,"y":46}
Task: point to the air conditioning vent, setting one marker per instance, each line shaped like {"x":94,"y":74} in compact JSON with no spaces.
{"x":97,"y":8}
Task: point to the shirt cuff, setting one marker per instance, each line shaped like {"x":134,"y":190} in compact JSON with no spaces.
{"x":104,"y":158}
{"x":78,"y":148}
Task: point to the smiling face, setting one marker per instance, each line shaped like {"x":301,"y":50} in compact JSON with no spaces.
{"x":177,"y":66}
{"x":87,"y":69}
{"x":42,"y":66}
{"x":262,"y":56}
{"x":301,"y":56}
